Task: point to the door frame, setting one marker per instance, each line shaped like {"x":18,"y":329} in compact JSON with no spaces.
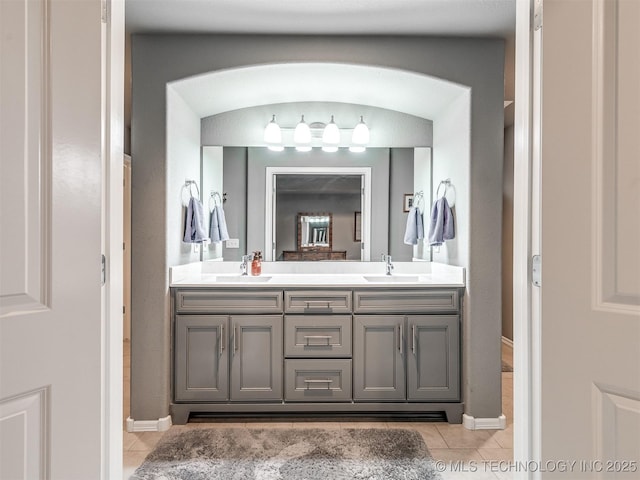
{"x":527,"y":352}
{"x":526,"y":236}
{"x":113,"y":36}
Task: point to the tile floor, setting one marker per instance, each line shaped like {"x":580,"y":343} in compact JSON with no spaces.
{"x":480,"y":450}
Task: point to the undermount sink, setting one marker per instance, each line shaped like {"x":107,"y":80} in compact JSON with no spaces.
{"x":241,"y":278}
{"x":392,"y":278}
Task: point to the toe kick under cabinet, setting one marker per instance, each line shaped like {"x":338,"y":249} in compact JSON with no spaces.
{"x":374,"y":351}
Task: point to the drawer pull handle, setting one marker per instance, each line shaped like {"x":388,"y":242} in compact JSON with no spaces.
{"x":318,"y":337}
{"x":311,"y":381}
{"x":318,"y":304}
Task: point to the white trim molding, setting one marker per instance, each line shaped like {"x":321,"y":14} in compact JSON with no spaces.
{"x":472,"y":423}
{"x":161,"y":425}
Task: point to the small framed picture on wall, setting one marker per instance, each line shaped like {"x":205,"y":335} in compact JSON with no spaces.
{"x":408,"y":202}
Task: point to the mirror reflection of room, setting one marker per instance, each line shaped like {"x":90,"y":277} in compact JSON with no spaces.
{"x":315,"y":217}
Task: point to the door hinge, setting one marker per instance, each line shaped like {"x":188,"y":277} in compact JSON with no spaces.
{"x":536,"y":270}
{"x":537,"y":15}
{"x":103,"y":270}
{"x":362,"y":246}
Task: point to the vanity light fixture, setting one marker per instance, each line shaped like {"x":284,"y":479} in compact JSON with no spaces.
{"x":360,"y":137}
{"x":317,"y":134}
{"x":273,"y":136}
{"x":302,"y":136}
{"x":331,"y":137}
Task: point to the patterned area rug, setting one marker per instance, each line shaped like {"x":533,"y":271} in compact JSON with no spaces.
{"x":289,"y":454}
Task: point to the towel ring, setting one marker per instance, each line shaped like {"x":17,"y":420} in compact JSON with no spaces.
{"x":417,"y":198}
{"x":447,"y":183}
{"x":212,"y":197}
{"x":189,"y":183}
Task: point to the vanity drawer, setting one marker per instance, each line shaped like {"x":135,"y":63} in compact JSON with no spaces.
{"x":406,"y":301}
{"x":225,"y":301}
{"x":317,"y":335}
{"x":317,"y":301}
{"x":317,"y":380}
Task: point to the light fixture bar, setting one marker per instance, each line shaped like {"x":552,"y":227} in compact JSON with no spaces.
{"x":305,"y":136}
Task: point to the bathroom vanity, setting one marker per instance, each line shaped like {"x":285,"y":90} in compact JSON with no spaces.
{"x":317,"y":344}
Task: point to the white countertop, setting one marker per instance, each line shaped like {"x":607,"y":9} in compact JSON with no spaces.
{"x":314,"y":274}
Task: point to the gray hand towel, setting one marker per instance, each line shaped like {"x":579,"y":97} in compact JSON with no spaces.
{"x":441,"y":227}
{"x":218,"y":230}
{"x":415,"y":228}
{"x":194,"y":222}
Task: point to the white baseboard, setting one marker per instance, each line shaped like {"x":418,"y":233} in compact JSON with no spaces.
{"x":160,"y":425}
{"x":472,"y":423}
{"x":507,"y":341}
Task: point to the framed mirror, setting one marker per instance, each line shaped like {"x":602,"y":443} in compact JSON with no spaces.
{"x":315,"y":231}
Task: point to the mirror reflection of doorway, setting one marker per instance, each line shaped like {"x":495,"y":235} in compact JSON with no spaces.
{"x":325,"y":234}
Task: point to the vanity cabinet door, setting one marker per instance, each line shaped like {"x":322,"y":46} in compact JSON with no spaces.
{"x":378,"y":357}
{"x":201,"y":358}
{"x":433,"y":357}
{"x":256,"y":357}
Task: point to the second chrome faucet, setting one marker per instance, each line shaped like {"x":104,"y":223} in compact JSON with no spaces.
{"x":389,"y":265}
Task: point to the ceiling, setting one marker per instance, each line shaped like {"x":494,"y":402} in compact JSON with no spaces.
{"x":468,"y":18}
{"x":494,"y":18}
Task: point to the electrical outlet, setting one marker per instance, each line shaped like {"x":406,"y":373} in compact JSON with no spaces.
{"x":196,"y":248}
{"x":233,"y":243}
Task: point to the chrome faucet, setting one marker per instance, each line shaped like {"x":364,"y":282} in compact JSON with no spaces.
{"x":389,"y":264}
{"x":245,"y":264}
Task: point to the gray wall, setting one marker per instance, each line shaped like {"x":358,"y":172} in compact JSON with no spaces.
{"x":235,"y":208}
{"x":159,"y":59}
{"x":400,"y":182}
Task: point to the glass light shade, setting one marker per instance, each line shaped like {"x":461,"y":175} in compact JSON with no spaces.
{"x":302,"y":136}
{"x":331,"y":137}
{"x":273,"y":136}
{"x":360,"y":133}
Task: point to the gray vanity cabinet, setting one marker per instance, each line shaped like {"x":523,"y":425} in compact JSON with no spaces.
{"x":380,"y":350}
{"x":201,"y":360}
{"x":219,"y":358}
{"x":412,"y":357}
{"x":433,"y":357}
{"x":317,"y":347}
{"x":228,"y":345}
{"x":378,"y":357}
{"x":407,"y":345}
{"x":256,"y":357}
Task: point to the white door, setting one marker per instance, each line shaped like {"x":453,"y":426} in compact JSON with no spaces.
{"x":590,"y":236}
{"x":52,"y":414}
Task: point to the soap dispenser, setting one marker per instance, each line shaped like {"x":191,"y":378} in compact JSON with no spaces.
{"x":256,"y":264}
